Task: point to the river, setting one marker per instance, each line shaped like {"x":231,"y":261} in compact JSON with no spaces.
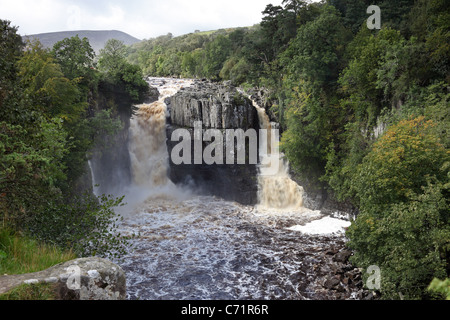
{"x":194,"y":247}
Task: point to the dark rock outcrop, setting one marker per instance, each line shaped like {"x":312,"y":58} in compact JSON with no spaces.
{"x":222,"y":107}
{"x":110,"y":160}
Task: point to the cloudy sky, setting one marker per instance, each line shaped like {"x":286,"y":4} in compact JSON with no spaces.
{"x":142,"y":19}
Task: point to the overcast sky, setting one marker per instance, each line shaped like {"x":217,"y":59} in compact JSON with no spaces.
{"x":142,"y":19}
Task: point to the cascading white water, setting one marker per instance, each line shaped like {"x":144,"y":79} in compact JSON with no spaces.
{"x":94,"y":183}
{"x":276,"y":189}
{"x":148,"y":149}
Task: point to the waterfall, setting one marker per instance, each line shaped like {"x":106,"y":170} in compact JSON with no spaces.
{"x":275,"y":190}
{"x":148,"y":149}
{"x":94,"y":183}
{"x":187,"y":245}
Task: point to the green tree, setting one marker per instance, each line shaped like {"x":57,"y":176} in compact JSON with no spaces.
{"x":49,"y":90}
{"x":353,"y":12}
{"x":112,"y":56}
{"x":215,"y":55}
{"x":400,"y":164}
{"x":318,"y":51}
{"x":313,"y":116}
{"x":359,"y":80}
{"x":11,"y":46}
{"x":409,"y":242}
{"x":86,"y":224}
{"x":75,"y":56}
{"x":403,"y":187}
{"x":124,"y":76}
{"x":30,"y":168}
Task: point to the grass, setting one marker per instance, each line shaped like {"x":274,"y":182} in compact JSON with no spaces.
{"x":20,"y":254}
{"x":32,"y":292}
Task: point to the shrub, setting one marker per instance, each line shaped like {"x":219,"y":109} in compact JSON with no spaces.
{"x":87,"y":225}
{"x":403,"y":227}
{"x":400,"y":164}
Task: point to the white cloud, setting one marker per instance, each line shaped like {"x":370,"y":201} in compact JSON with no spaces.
{"x":112,"y":17}
{"x":140,"y":18}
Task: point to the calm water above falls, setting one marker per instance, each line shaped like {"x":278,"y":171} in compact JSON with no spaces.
{"x":192,"y":247}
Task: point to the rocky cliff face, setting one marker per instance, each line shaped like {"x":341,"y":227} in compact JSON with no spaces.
{"x":222,"y":107}
{"x":218,"y":106}
{"x":111,"y":159}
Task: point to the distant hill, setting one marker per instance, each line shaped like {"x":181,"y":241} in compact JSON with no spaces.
{"x":97,"y":39}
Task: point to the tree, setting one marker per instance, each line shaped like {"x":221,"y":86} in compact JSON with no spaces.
{"x":30,"y":168}
{"x":215,"y":55}
{"x":359,"y":80}
{"x":318,"y":51}
{"x":118,"y":72}
{"x":49,"y":90}
{"x":11,"y":46}
{"x":76,"y":58}
{"x":400,"y":164}
{"x":313,"y":118}
{"x":31,"y":146}
{"x":112,"y":56}
{"x":403,"y":188}
{"x":429,"y":22}
{"x":409,"y":242}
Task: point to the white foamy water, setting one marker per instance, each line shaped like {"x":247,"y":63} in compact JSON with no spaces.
{"x":324,"y":226}
{"x":204,"y":248}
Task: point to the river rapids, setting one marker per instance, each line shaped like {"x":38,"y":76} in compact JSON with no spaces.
{"x":193,"y":247}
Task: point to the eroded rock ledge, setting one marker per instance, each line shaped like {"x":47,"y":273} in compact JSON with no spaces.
{"x":218,"y":106}
{"x":81,"y":279}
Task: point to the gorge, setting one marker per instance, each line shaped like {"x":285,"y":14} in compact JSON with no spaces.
{"x":221,"y":232}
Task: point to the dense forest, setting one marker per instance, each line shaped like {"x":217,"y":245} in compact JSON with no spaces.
{"x":364,"y":115}
{"x":56,"y":106}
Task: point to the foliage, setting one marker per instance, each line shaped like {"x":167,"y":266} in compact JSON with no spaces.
{"x":29,"y":168}
{"x":312,"y":65}
{"x":442,"y":287}
{"x":400,"y":164}
{"x":47,"y":87}
{"x":46,"y":133}
{"x":86,"y":224}
{"x":10,"y":51}
{"x":76,"y":58}
{"x":409,"y":241}
{"x":121,"y":74}
{"x":402,"y":187}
